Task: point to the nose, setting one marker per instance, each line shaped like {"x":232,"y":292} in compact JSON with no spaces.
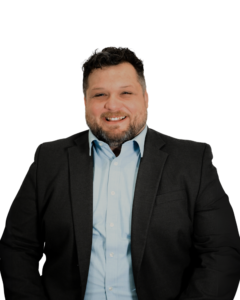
{"x":113,"y":103}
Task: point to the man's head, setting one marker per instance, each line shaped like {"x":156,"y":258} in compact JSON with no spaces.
{"x":114,"y":86}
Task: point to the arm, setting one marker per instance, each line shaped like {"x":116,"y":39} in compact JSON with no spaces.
{"x":216,"y":240}
{"x":21,"y":245}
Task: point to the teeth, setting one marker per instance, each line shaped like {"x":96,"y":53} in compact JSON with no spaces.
{"x":114,"y":119}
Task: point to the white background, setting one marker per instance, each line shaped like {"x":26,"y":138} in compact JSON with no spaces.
{"x":190,"y":51}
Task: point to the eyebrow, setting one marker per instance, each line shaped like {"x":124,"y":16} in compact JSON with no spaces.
{"x":103,"y":88}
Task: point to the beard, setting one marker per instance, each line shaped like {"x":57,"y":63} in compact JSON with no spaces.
{"x":115,"y":140}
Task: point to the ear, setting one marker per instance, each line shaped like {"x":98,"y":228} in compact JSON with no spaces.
{"x":84,"y":101}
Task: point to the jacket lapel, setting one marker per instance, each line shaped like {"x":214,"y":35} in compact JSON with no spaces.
{"x":81,"y":186}
{"x":81,"y":189}
{"x":147,"y":183}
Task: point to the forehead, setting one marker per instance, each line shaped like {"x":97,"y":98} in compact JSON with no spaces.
{"x":123,"y":73}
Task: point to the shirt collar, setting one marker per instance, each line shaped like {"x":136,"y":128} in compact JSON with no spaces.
{"x":140,"y":139}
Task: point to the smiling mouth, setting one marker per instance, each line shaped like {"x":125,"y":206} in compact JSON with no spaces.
{"x":116,"y":120}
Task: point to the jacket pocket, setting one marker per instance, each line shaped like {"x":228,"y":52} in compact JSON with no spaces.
{"x":171,"y":196}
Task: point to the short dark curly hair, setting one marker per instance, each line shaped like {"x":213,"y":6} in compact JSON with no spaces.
{"x":111,"y":56}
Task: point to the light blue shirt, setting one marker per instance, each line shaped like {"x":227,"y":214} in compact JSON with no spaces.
{"x":110,"y":274}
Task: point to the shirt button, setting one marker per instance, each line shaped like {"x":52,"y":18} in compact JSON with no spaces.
{"x":112,"y":192}
{"x":116,"y":163}
{"x":111,"y":254}
{"x":100,"y":144}
{"x":111,"y":224}
{"x":110,"y":288}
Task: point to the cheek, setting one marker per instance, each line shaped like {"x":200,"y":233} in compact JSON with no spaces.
{"x":135,"y":109}
{"x":95,"y":110}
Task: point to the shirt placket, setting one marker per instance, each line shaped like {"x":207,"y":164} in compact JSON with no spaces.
{"x":112,"y":229}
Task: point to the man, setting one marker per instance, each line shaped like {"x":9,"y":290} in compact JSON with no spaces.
{"x":121,"y":211}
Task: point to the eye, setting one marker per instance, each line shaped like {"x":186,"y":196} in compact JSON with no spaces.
{"x":98,"y":95}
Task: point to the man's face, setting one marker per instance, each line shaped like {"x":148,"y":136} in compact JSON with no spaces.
{"x":114,"y":91}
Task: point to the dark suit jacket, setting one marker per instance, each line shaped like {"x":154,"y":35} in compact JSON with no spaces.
{"x":184,"y":237}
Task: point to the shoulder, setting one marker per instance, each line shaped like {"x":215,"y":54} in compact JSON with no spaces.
{"x":64,"y":142}
{"x":58,"y":147}
{"x":179,"y":147}
{"x":171,"y":141}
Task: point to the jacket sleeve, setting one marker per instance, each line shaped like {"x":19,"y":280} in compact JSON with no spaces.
{"x":216,"y":241}
{"x":21,"y":245}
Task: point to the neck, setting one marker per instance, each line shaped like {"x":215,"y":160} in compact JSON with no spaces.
{"x":116,"y":151}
